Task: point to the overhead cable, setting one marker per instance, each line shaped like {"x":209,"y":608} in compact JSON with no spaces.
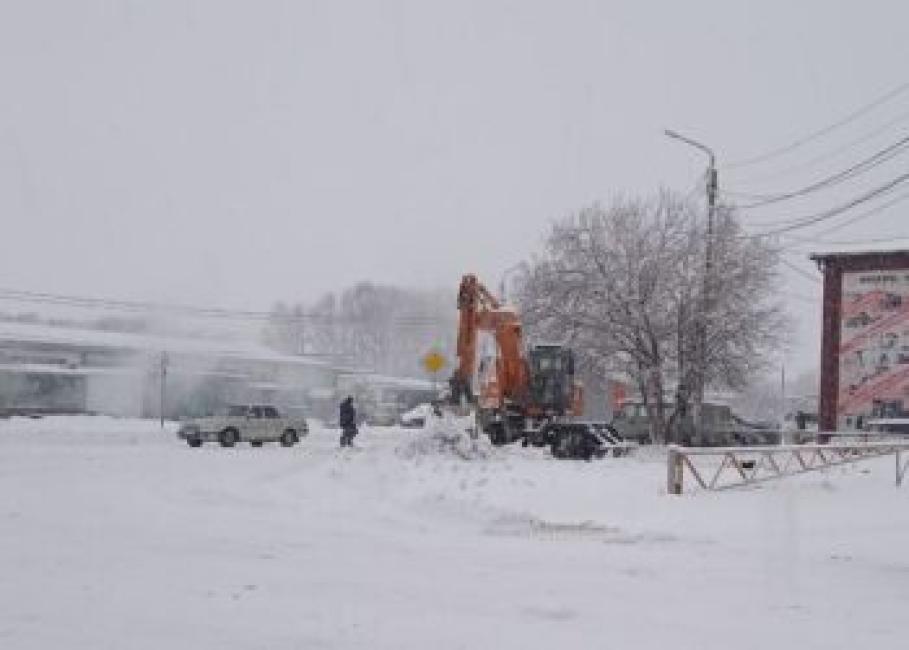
{"x":859,"y":217}
{"x":832,"y":153}
{"x":810,"y":220}
{"x":867,"y":108}
{"x":188,"y":310}
{"x":878,"y":158}
{"x":801,"y":272}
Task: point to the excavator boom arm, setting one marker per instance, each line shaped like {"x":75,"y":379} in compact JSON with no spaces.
{"x":481,"y":312}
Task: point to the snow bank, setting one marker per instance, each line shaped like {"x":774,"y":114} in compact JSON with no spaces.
{"x":447,"y":436}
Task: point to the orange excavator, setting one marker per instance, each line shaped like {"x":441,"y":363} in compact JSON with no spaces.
{"x":529,"y":393}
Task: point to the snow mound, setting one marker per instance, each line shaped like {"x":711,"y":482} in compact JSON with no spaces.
{"x":447,"y":436}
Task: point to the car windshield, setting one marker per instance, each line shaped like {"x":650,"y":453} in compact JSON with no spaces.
{"x":236,"y":411}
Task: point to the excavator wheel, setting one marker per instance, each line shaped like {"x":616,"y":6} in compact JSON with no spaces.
{"x":560,"y":446}
{"x":497,"y":434}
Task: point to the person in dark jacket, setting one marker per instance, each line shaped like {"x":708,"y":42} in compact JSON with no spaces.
{"x":348,"y":422}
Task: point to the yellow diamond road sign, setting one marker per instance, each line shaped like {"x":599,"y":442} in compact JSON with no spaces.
{"x":434,"y":362}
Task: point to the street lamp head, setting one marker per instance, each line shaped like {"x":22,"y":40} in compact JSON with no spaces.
{"x":694,"y":143}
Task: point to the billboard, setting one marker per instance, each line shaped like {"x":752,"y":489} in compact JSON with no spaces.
{"x":874,"y":347}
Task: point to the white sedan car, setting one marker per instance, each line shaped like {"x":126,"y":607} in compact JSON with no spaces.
{"x":256,"y":424}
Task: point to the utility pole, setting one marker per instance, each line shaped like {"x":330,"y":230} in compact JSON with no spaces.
{"x":163,"y":368}
{"x":301,"y":337}
{"x":707,"y":292}
{"x":782,"y":403}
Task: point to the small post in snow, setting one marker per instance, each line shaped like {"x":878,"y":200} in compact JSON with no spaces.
{"x":674,"y":471}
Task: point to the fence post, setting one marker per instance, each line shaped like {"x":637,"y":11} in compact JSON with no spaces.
{"x":674,"y":471}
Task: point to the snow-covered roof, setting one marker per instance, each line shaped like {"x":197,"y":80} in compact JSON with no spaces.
{"x":48,"y":369}
{"x":401,"y":382}
{"x":120,"y":371}
{"x":388,"y":381}
{"x":854,"y":250}
{"x":99,"y":339}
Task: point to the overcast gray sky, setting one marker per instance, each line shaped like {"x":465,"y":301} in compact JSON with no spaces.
{"x":234,"y":153}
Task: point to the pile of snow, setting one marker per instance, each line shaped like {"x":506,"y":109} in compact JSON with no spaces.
{"x":418,"y":415}
{"x":449,"y":436}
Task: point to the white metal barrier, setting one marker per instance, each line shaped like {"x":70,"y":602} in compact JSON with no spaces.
{"x":740,"y":466}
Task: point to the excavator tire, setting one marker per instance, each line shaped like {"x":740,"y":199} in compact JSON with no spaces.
{"x":560,"y":447}
{"x":497,"y":434}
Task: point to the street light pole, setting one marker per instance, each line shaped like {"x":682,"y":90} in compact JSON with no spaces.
{"x":163,"y":367}
{"x":712,"y":186}
{"x":711,"y":183}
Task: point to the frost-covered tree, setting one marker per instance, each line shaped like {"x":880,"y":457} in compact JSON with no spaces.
{"x":624,"y":285}
{"x":286,"y":329}
{"x":369,"y":326}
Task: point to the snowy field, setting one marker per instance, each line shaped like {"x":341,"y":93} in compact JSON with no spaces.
{"x":114,"y":534}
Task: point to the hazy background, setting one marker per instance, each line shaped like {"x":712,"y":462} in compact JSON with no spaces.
{"x":235,"y":153}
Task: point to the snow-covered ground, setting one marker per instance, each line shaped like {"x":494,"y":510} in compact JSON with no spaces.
{"x":113,"y":534}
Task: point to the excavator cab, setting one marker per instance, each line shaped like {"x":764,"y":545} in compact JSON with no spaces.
{"x":551,"y":385}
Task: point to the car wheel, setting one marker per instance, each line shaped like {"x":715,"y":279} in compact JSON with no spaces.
{"x":255,"y":443}
{"x":228,"y":437}
{"x":289,"y":438}
{"x":191,"y":435}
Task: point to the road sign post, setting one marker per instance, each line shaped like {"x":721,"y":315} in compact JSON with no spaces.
{"x":434,"y":361}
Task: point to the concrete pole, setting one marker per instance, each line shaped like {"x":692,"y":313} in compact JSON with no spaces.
{"x":706,"y":301}
{"x":163,"y":384}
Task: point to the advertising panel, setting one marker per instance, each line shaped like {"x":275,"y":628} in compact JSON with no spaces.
{"x":874,"y":347}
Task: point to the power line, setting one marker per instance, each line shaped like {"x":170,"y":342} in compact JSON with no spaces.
{"x":805,"y":222}
{"x":188,"y":310}
{"x":867,"y":108}
{"x":833,"y":153}
{"x":697,"y":188}
{"x":801,"y":272}
{"x":138,"y":306}
{"x":854,"y":243}
{"x":878,"y":158}
{"x":849,"y":222}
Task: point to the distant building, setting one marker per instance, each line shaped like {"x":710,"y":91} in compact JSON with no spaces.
{"x":72,"y":370}
{"x":381,"y":399}
{"x":50,"y":369}
{"x":865,"y":344}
